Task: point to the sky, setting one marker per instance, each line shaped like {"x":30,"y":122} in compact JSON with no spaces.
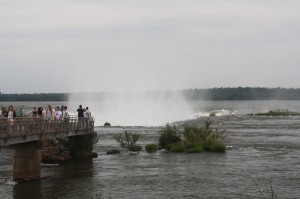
{"x":59,"y":46}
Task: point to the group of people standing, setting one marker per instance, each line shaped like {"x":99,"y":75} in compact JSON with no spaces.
{"x":60,"y":112}
{"x":84,"y":112}
{"x":57,"y":113}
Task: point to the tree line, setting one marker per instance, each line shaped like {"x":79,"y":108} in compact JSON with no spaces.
{"x":213,"y":94}
{"x":243,"y":93}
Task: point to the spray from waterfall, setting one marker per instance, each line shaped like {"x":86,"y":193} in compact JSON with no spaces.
{"x":135,"y":108}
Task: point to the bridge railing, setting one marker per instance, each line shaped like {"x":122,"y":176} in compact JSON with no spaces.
{"x":26,"y":126}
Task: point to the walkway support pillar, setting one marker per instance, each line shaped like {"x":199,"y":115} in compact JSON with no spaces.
{"x":27,"y":161}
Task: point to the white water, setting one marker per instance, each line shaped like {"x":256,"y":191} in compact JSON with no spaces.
{"x":142,"y":110}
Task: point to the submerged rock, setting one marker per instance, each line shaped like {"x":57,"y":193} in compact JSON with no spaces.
{"x":107,"y":124}
{"x":114,"y":151}
{"x":94,"y":155}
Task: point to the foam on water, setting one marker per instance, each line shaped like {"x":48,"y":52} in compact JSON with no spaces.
{"x":221,"y":112}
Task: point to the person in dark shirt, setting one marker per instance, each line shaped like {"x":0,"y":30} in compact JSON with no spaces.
{"x":34,"y":112}
{"x":40,"y":111}
{"x":80,"y":111}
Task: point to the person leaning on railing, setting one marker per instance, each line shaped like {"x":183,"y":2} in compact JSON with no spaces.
{"x":65,"y":114}
{"x":11,"y":114}
{"x":34,"y":112}
{"x":49,"y":113}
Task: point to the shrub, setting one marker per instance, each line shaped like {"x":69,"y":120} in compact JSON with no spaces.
{"x":194,"y":139}
{"x":191,"y":134}
{"x":134,"y":147}
{"x":207,"y":143}
{"x":169,"y":134}
{"x":217,"y":146}
{"x":196,"y":149}
{"x":150,"y":148}
{"x":177,"y":147}
{"x":128,"y":140}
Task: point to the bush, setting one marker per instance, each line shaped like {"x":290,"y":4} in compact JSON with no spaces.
{"x":177,"y":147}
{"x":169,"y":134}
{"x":217,"y":146}
{"x":135,"y":147}
{"x":207,"y":143}
{"x":151,"y":148}
{"x":128,"y":140}
{"x":194,"y":139}
{"x":196,"y":149}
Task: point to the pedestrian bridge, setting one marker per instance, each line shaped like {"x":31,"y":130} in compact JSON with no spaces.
{"x":25,"y":134}
{"x":27,"y":129}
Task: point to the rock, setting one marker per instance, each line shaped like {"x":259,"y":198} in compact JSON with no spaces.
{"x":107,"y":124}
{"x":212,"y":114}
{"x":94,"y":155}
{"x":114,"y":151}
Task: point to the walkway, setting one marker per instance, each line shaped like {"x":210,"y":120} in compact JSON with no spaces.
{"x":26,"y":129}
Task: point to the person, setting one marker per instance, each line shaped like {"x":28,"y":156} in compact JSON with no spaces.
{"x":40,"y":111}
{"x":11,"y":114}
{"x":80,"y":111}
{"x":65,"y":117}
{"x":34,"y":112}
{"x":58,"y":113}
{"x":87,"y":113}
{"x":49,"y":113}
{"x":65,"y":114}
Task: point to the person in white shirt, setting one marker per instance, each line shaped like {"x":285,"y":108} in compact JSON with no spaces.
{"x":87,"y":113}
{"x":65,"y":113}
{"x":11,"y":114}
{"x":58,"y":113}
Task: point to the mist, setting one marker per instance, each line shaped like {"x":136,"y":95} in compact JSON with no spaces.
{"x":134,"y":108}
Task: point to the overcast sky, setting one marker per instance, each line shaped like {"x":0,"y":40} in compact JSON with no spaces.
{"x":133,"y":45}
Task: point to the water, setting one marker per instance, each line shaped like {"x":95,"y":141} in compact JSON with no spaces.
{"x":260,"y":150}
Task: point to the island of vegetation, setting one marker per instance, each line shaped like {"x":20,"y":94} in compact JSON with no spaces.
{"x":190,"y":139}
{"x":278,"y":112}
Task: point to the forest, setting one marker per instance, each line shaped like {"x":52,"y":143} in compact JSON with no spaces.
{"x":209,"y":94}
{"x":242,"y":93}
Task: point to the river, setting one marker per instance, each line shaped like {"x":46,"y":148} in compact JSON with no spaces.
{"x":263,"y":152}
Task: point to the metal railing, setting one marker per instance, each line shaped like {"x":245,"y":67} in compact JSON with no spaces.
{"x":24,"y":127}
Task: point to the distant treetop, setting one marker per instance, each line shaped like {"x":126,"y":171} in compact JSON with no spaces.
{"x":210,"y":94}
